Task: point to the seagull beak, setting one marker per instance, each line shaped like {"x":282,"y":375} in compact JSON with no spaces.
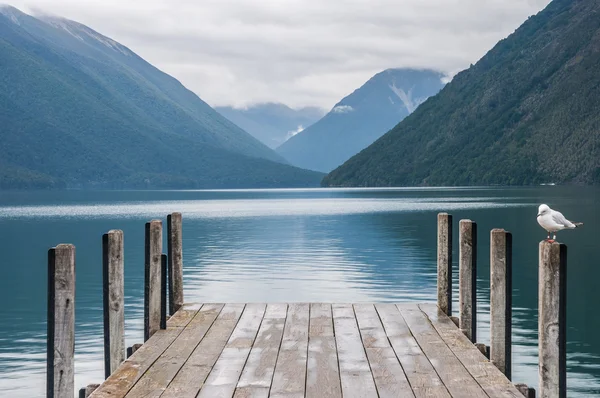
{"x":539,"y":214}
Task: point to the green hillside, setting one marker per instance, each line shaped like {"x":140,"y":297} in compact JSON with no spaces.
{"x":526,"y":113}
{"x":78,"y":109}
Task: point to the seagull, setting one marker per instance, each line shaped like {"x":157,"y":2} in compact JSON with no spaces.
{"x":552,"y":221}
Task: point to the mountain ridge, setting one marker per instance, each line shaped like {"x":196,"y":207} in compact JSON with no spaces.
{"x":271,"y":123}
{"x":523,"y":114}
{"x":361,"y":117}
{"x":80,"y":109}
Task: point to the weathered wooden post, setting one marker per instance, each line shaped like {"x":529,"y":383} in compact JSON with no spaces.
{"x":60,"y":376}
{"x":152,"y":280}
{"x":113,"y":300}
{"x":552,"y":319}
{"x":131,"y":350}
{"x":527,"y":392}
{"x":501,"y":300}
{"x":467,"y":278}
{"x":163,"y":291}
{"x":87,"y":391}
{"x":175,"y":257}
{"x":444,"y":263}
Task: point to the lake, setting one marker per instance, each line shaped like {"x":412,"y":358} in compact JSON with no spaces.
{"x":329,"y":245}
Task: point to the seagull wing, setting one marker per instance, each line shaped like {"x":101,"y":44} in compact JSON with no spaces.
{"x":558,"y":218}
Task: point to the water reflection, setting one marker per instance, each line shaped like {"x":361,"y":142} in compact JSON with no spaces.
{"x":286,"y":245}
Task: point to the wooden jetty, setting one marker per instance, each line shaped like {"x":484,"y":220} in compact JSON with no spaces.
{"x":308,"y":349}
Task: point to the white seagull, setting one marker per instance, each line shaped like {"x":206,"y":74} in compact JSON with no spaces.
{"x":552,"y":221}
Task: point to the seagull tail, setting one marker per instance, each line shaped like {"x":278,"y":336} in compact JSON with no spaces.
{"x":577,"y":224}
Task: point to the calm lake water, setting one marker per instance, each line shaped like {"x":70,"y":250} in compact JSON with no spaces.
{"x":356,"y":245}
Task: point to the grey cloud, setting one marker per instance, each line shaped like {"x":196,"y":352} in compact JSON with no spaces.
{"x":299,"y":52}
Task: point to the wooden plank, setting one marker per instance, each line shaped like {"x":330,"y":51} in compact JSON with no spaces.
{"x":552,"y":296}
{"x":124,"y":378}
{"x":467,"y":275}
{"x":175,"y":253}
{"x":61,"y":322}
{"x":355,"y":373}
{"x":192,"y":375}
{"x":388,"y":374}
{"x":162,"y":372}
{"x":423,"y":378}
{"x":113,"y":300}
{"x":257,"y":374}
{"x":487,"y":375}
{"x":184,"y":315}
{"x":252,"y":392}
{"x":152,"y":278}
{"x":458,"y":381}
{"x":224,"y":376}
{"x":289,"y":378}
{"x":501,"y":300}
{"x":444,"y":262}
{"x":323,"y":375}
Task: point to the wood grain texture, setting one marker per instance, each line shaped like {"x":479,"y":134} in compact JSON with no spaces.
{"x":467,"y":279}
{"x":322,"y":374}
{"x":388,"y":374}
{"x":355,"y":373}
{"x":301,"y":350}
{"x":163,"y":371}
{"x":113,"y":300}
{"x":423,"y":378}
{"x":501,"y":300}
{"x":152,"y":278}
{"x":175,"y":254}
{"x":489,"y":377}
{"x":127,"y":375}
{"x":289,"y":379}
{"x":61,"y":322}
{"x":192,"y":375}
{"x":552,"y":320}
{"x":451,"y":371}
{"x":444,"y":262}
{"x":260,"y":366}
{"x":225,"y":374}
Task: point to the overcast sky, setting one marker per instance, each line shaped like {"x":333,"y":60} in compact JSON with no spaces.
{"x":298,"y":52}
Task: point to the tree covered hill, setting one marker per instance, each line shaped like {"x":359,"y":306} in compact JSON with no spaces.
{"x":78,"y":109}
{"x":526,"y":113}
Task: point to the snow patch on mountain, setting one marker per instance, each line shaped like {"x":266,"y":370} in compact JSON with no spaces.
{"x":292,"y":133}
{"x":80,"y":32}
{"x":405,"y":97}
{"x":9,"y":12}
{"x":342,"y":109}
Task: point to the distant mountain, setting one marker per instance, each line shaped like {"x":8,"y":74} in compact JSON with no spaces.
{"x":526,"y":113}
{"x":360,"y":118}
{"x":272,"y":123}
{"x":78,"y":109}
